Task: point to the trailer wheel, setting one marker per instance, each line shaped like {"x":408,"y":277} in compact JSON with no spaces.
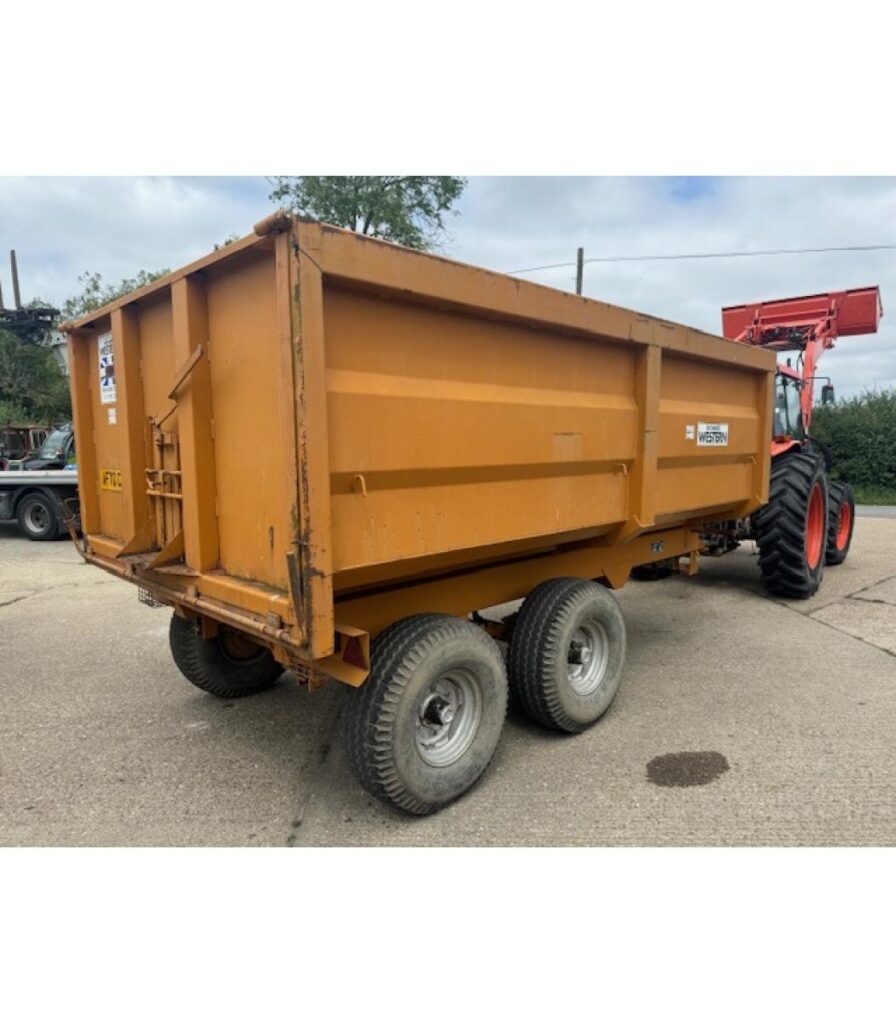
{"x":841,"y":520}
{"x":37,"y":518}
{"x":226,"y":665}
{"x":791,"y":530}
{"x":567,"y":653}
{"x":425,"y":724}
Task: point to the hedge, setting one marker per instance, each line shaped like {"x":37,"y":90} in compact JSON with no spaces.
{"x":861,"y":433}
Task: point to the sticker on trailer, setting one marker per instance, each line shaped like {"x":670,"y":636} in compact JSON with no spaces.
{"x":690,"y":432}
{"x":107,"y":368}
{"x":110,"y":479}
{"x":712,"y":435}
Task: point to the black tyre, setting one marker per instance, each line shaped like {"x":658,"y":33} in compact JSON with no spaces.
{"x":841,"y":521}
{"x":37,"y":517}
{"x":227,"y":665}
{"x":791,"y":530}
{"x":567,"y":653}
{"x":426,"y":723}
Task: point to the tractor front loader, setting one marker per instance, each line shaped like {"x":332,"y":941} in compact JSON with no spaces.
{"x":808,"y":521}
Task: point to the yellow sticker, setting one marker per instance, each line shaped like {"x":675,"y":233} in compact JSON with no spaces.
{"x":110,"y":479}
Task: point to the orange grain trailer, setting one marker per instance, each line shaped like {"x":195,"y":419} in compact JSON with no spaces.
{"x":310,"y":438}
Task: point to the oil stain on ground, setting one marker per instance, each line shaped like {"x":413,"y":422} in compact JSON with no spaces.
{"x":687,"y":768}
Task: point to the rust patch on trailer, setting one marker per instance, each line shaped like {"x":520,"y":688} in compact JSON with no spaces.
{"x":687,"y":768}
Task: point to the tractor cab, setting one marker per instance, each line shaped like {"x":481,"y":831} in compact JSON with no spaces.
{"x":787,"y":423}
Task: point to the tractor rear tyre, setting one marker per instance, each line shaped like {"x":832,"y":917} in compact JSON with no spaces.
{"x":226,"y":665}
{"x":567,"y":653}
{"x":791,"y":530}
{"x":426,"y":723}
{"x":841,"y":519}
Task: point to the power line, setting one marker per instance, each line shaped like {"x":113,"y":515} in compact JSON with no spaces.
{"x":705,"y":256}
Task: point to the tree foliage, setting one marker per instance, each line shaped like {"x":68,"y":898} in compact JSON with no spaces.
{"x":407,"y":210}
{"x":95,"y":292}
{"x":861,"y":433}
{"x":229,"y":240}
{"x":33,"y":388}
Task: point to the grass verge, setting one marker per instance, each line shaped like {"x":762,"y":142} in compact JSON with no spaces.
{"x":874,"y":496}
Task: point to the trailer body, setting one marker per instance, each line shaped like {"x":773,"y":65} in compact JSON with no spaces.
{"x":310,"y":434}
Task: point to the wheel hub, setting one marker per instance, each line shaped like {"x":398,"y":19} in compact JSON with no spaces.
{"x":815,"y":527}
{"x":448,"y":717}
{"x":844,"y":523}
{"x":437,"y":711}
{"x":587,"y":657}
{"x":38,"y":520}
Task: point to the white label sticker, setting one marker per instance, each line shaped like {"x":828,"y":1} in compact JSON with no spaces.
{"x":113,"y":416}
{"x":690,"y":432}
{"x":712,"y":435}
{"x":107,"y":368}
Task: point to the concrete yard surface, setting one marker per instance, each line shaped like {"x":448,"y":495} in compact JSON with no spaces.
{"x":781,"y":715}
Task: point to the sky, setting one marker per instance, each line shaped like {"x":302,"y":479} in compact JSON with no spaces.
{"x":62,"y":227}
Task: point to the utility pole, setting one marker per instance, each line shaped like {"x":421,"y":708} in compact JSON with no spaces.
{"x":580,"y":267}
{"x":15,"y":278}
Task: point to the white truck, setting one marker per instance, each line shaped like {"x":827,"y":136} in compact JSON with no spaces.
{"x":40,"y":500}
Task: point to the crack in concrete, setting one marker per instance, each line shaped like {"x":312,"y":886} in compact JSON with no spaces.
{"x":877,"y":583}
{"x":852,"y":636}
{"x":52,"y":588}
{"x":315,"y":774}
{"x":810,"y":614}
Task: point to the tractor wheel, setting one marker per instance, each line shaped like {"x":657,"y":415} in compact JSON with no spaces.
{"x":226,"y":665}
{"x":567,"y":653}
{"x":791,"y":530}
{"x":423,"y":728}
{"x":841,"y":519}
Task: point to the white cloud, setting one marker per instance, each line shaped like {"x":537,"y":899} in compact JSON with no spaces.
{"x":522,"y":222}
{"x":64,"y":226}
{"x":61,"y":227}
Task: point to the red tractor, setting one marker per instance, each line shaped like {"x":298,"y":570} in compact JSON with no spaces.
{"x":808,"y":521}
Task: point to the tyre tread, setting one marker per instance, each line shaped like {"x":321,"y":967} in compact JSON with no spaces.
{"x":396,"y":653}
{"x":780,"y":527}
{"x":54,"y":533}
{"x":838,"y":493}
{"x":536,"y":636}
{"x":191,"y":655}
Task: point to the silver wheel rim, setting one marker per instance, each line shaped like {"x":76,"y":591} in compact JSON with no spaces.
{"x":448,"y":717}
{"x":587,"y":657}
{"x":37,"y":518}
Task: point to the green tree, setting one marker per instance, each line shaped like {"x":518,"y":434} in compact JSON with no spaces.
{"x":95,"y":292}
{"x":32,"y":386}
{"x":407,"y":210}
